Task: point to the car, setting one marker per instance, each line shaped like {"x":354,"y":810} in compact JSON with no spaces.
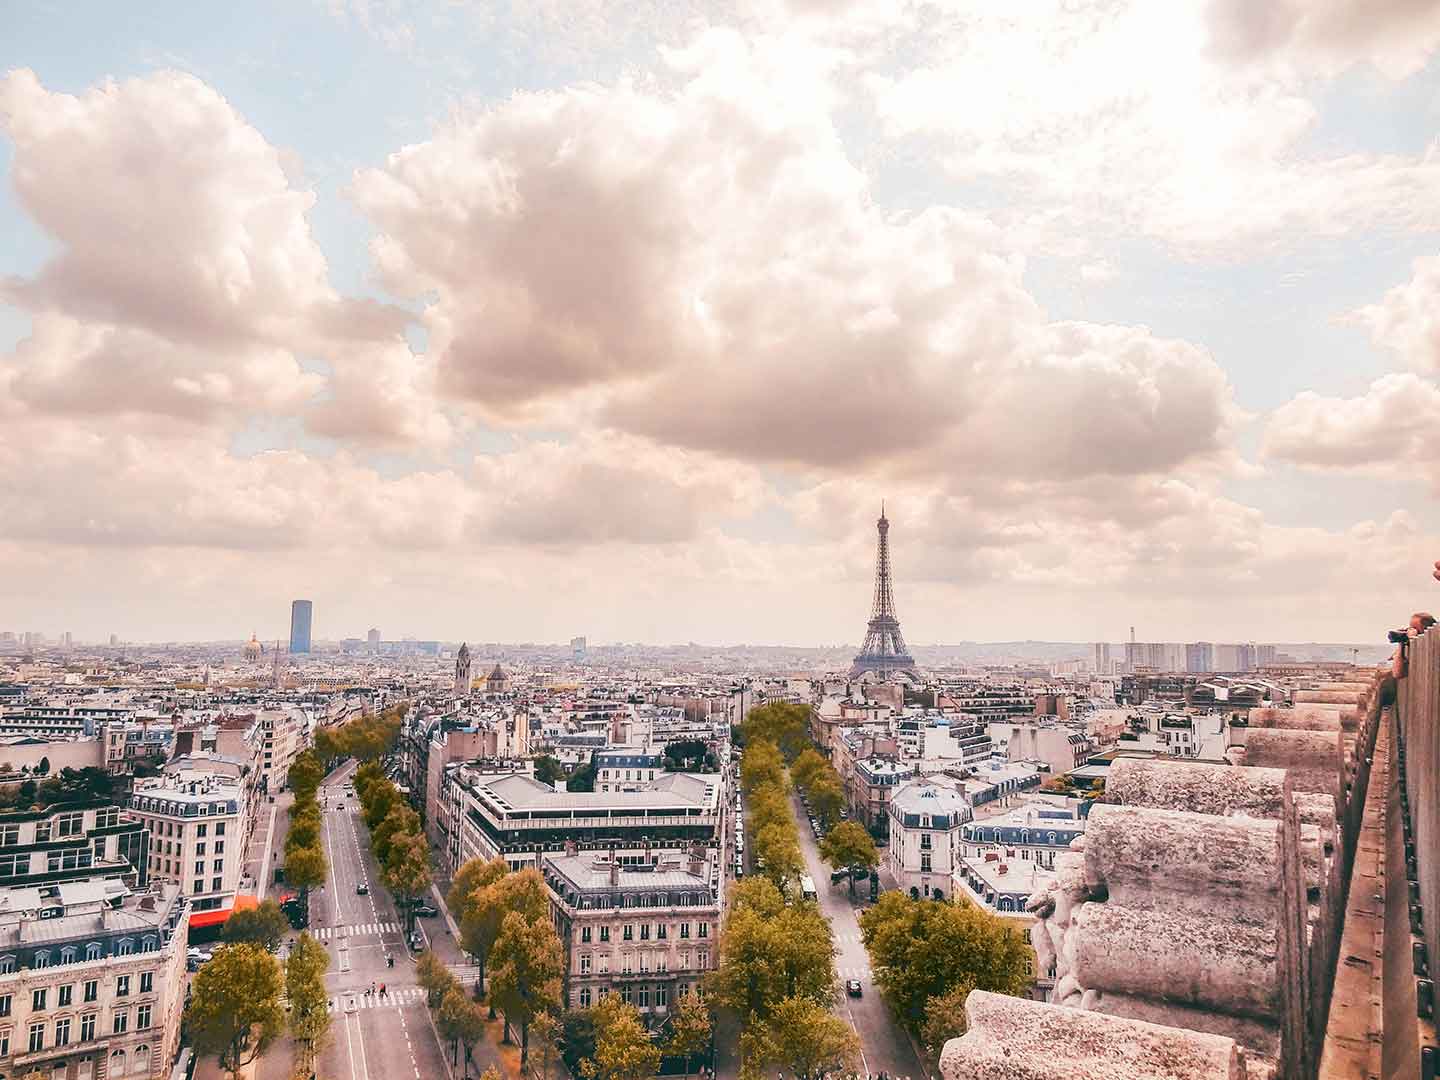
{"x":852,"y":988}
{"x":859,"y":873}
{"x":426,"y":911}
{"x":361,"y":889}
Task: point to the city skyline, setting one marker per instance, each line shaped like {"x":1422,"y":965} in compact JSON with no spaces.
{"x":624,"y":321}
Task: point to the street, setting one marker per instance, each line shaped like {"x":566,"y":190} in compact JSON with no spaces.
{"x":885,"y":1046}
{"x":372,"y":1037}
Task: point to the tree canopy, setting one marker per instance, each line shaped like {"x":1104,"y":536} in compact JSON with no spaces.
{"x":782,"y":723}
{"x":848,"y":844}
{"x":527,"y":965}
{"x":264,"y":925}
{"x":309,"y":998}
{"x":800,"y":1037}
{"x":624,"y":1050}
{"x":235,"y":1010}
{"x":922,"y":949}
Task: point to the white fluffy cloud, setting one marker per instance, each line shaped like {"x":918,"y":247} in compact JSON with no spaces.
{"x":1389,"y":427}
{"x":708,"y":268}
{"x":1407,"y":319}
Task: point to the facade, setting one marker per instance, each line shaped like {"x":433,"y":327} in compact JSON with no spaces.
{"x":92,"y":980}
{"x":69,"y":721}
{"x":648,"y":931}
{"x":71,"y":841}
{"x":1060,"y":746}
{"x":462,"y":671}
{"x":283,"y":735}
{"x":199,"y":823}
{"x":626,"y":768}
{"x":301,"y":615}
{"x":925,"y":822}
{"x":873,"y":781}
{"x":490,"y":810}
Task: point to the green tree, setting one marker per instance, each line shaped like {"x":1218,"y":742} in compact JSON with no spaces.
{"x":761,"y":766}
{"x":304,"y":828}
{"x":785,"y":725}
{"x":379,"y":800}
{"x":779,"y":849}
{"x":526,"y":967}
{"x":305,"y":775}
{"x":473,"y":875}
{"x":407,"y":871}
{"x":545,"y":1034}
{"x":690,"y":1027}
{"x":306,"y":869}
{"x":624,"y":1050}
{"x":800,"y":1037}
{"x":769,"y":953}
{"x":459,"y":1019}
{"x":848,"y":844}
{"x":264,"y":925}
{"x":945,"y":1017}
{"x":577,"y":1039}
{"x":807,"y":767}
{"x":921,"y":949}
{"x":548,"y":770}
{"x":400,"y":821}
{"x":827,"y":798}
{"x":434,"y":977}
{"x":309,"y":999}
{"x":235,"y":1010}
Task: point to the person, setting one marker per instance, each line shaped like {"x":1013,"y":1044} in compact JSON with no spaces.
{"x":382,"y":989}
{"x":1419,"y":623}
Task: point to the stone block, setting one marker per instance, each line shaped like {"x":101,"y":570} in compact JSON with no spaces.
{"x":1199,"y":788}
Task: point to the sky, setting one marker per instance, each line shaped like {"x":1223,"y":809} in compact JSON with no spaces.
{"x":516,"y":321}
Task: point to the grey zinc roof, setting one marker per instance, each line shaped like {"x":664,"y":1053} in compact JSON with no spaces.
{"x":526,"y":793}
{"x":587,"y":872}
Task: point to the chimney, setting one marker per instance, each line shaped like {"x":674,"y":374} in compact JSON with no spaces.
{"x":614,"y":871}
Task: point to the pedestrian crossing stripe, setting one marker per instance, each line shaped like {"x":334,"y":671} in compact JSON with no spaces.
{"x":327,"y":933}
{"x":397,"y":998}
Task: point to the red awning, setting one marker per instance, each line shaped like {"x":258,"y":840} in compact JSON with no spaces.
{"x":219,"y":915}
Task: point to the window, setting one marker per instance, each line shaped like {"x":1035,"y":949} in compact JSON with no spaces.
{"x":662,"y":997}
{"x":92,"y":989}
{"x":684,"y":961}
{"x":122,"y":1021}
{"x":704,"y":929}
{"x":142,"y":1018}
{"x":200,"y":831}
{"x":37,"y":1037}
{"x":37,"y":999}
{"x":147,"y":981}
{"x":65,"y":996}
{"x":704,"y":960}
{"x":68,"y":954}
{"x":585,"y":964}
{"x":42,"y":832}
{"x":660,"y":931}
{"x":628,"y":933}
{"x":71,"y":824}
{"x":9,"y":835}
{"x":585,"y":934}
{"x":199,"y":866}
{"x":125,"y":947}
{"x":220,"y":828}
{"x":645,"y":931}
{"x":584,"y":997}
{"x":219,"y":847}
{"x":626,"y":962}
{"x":122,"y":986}
{"x":199,"y":886}
{"x":92,"y":951}
{"x":925,"y":862}
{"x":684,"y":930}
{"x":62,"y":1032}
{"x":42,"y":958}
{"x":604,"y":963}
{"x":200,"y":848}
{"x":644,"y":997}
{"x":5,"y":1043}
{"x":216,"y":884}
{"x":87,"y":1027}
{"x":925,"y":841}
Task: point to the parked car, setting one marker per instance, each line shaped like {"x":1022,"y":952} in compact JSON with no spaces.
{"x":426,"y":911}
{"x":361,"y":889}
{"x":837,"y":876}
{"x":852,"y":987}
{"x":859,"y":873}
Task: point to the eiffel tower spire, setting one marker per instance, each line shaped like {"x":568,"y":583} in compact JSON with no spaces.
{"x":884,"y":649}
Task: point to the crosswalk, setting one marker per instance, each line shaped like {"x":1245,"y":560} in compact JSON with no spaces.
{"x":847,"y":939}
{"x":326,"y":933}
{"x":852,"y":972}
{"x":398,"y":998}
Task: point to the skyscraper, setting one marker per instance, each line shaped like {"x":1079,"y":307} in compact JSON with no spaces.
{"x":884,"y":649}
{"x":373,"y":638}
{"x":301,"y":612}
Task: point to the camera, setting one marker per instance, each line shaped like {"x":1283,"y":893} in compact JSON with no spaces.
{"x":1398,"y":637}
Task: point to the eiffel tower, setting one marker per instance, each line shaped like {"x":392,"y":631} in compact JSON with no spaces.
{"x":884,"y":650}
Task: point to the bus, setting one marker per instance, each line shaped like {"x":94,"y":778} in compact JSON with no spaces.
{"x":807,"y":887}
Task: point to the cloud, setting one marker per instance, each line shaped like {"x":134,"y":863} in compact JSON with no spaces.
{"x":1396,"y":37}
{"x":708,"y":268}
{"x":1391,"y":426}
{"x":1405,"y":319}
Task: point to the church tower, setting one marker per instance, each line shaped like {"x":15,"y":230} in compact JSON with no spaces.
{"x":462,"y":671}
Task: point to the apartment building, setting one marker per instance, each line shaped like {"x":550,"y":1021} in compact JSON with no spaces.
{"x":648,"y":931}
{"x":71,"y":841}
{"x":92,"y":980}
{"x":487,"y":809}
{"x":284,"y":733}
{"x":925,"y":821}
{"x":198,"y":815}
{"x":626,"y":768}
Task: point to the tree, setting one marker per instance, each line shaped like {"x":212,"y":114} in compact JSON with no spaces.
{"x":582,"y":779}
{"x":807,"y":767}
{"x":770,"y":952}
{"x":523,"y":891}
{"x":264,"y":925}
{"x":577,"y":1039}
{"x":827,"y":798}
{"x":761,"y":766}
{"x":235,"y":1010}
{"x":548,"y":769}
{"x":473,"y":875}
{"x":407,"y":871}
{"x":306,"y":869}
{"x":785,"y":725}
{"x":527,"y":964}
{"x":690,"y":1026}
{"x":400,"y":821}
{"x":305,"y":775}
{"x":779,"y":849}
{"x":309,"y":998}
{"x":545,"y":1032}
{"x":304,"y":828}
{"x":623,"y":1048}
{"x":921,"y":949}
{"x":459,"y":1020}
{"x":801,"y":1037}
{"x":848,"y":844}
{"x":44,"y":767}
{"x":434,"y":977}
{"x":945,"y":1017}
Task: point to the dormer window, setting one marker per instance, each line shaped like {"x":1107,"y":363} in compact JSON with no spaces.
{"x":93,"y":951}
